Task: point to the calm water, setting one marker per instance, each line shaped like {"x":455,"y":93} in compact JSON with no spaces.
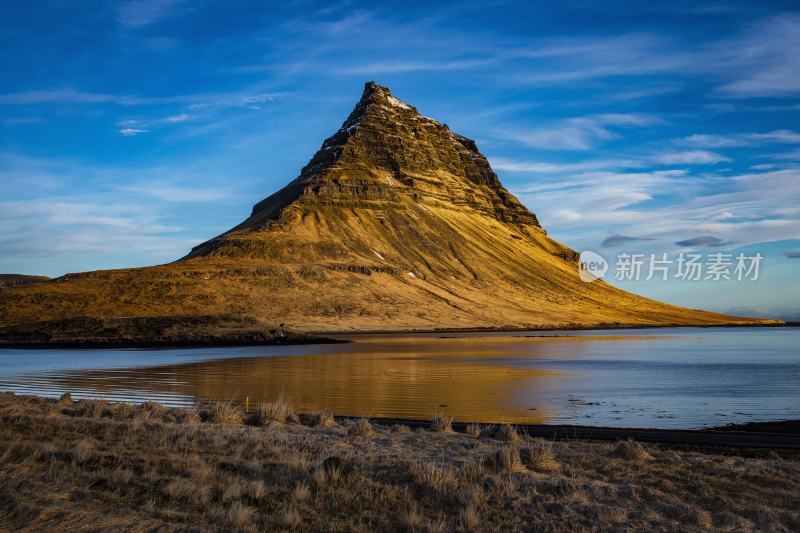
{"x":654,"y":378}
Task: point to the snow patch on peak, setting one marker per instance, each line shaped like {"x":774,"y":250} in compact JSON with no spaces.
{"x":397,"y":103}
{"x":350,"y":128}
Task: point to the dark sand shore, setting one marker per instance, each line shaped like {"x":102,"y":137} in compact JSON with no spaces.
{"x":94,"y":465}
{"x":35,"y":336}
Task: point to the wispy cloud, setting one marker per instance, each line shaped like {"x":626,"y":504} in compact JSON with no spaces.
{"x":579,"y":133}
{"x":692,"y":157}
{"x":742,"y":139}
{"x":642,"y":160}
{"x":173,"y":193}
{"x":793,"y":155}
{"x":761,"y":60}
{"x":242,"y":98}
{"x":669,"y":205}
{"x":57,"y":227}
{"x":182,"y":117}
{"x":540,"y":167}
{"x":764,"y":60}
{"x":132,"y":132}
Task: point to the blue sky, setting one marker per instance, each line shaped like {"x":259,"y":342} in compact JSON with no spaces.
{"x":131,"y":131}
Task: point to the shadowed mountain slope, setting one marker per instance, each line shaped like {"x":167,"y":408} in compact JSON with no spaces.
{"x":396,"y":223}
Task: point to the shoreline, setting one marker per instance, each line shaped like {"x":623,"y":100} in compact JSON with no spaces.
{"x":259,"y":338}
{"x":779,"y":434}
{"x":95,"y":344}
{"x":573,"y":327}
{"x":766,"y":435}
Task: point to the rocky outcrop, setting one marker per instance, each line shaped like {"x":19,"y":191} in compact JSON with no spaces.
{"x":17,"y":280}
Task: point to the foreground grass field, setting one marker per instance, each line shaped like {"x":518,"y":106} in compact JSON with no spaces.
{"x":93,"y":465}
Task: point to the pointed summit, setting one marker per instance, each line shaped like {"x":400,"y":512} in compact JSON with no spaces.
{"x":388,"y":156}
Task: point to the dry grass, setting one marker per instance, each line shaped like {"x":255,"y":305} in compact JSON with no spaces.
{"x":319,"y":419}
{"x":506,"y":460}
{"x":361,"y":428}
{"x":473,"y":430}
{"x":442,"y":423}
{"x":539,"y":455}
{"x":436,"y":479}
{"x":78,"y":466}
{"x":279,"y":411}
{"x":222,"y":413}
{"x":632,"y":451}
{"x":506,"y":433}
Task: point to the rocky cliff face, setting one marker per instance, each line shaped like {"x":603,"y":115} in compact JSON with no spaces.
{"x":395,"y":223}
{"x":388,"y":157}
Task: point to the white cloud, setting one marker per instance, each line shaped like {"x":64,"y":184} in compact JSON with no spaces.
{"x":692,"y":157}
{"x":669,"y":158}
{"x":579,"y":133}
{"x":764,"y":60}
{"x":183,"y":117}
{"x":132,"y":132}
{"x":794,"y":155}
{"x":170,"y":192}
{"x":668,"y":206}
{"x":53,"y":226}
{"x":244,"y":98}
{"x":742,"y":139}
{"x":761,"y":60}
{"x":538,"y":167}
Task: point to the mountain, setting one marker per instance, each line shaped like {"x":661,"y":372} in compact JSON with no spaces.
{"x":396,"y":223}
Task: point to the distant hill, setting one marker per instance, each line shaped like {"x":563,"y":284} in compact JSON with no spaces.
{"x":15,"y":280}
{"x":396,"y":223}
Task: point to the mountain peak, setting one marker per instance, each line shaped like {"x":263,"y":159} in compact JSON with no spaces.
{"x":381,"y":95}
{"x":386,"y":155}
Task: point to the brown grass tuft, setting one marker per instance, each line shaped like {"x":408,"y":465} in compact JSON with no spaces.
{"x":472,"y":470}
{"x":441,"y":423}
{"x":361,"y":428}
{"x":279,"y":410}
{"x":632,"y":451}
{"x":222,"y":413}
{"x":291,"y":518}
{"x":83,"y":451}
{"x":239,"y":515}
{"x":301,"y":492}
{"x":473,"y":430}
{"x":184,"y":489}
{"x":506,"y":460}
{"x":65,"y":399}
{"x":438,"y":479}
{"x":320,"y":418}
{"x":539,"y":455}
{"x":507,"y":433}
